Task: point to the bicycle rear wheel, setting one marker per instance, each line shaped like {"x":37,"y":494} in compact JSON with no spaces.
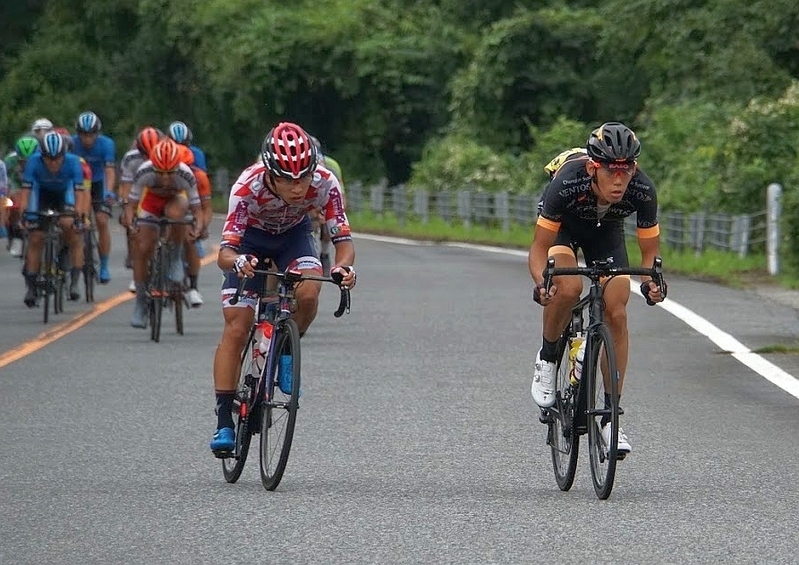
{"x":602,"y":405}
{"x":562,"y":433}
{"x":242,"y":411}
{"x":279,"y":413}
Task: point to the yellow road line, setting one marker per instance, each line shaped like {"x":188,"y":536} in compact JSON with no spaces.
{"x":59,"y":331}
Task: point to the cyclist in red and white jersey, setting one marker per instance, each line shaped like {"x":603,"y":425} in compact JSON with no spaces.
{"x":268,"y":219}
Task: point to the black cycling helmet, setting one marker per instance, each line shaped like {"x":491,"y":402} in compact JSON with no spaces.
{"x":613,"y":142}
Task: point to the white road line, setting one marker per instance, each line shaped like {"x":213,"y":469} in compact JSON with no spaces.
{"x":725,"y":341}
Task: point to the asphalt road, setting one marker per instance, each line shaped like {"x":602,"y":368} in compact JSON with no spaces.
{"x":417,"y":440}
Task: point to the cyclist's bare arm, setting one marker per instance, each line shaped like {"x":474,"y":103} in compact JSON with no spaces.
{"x":543,"y":240}
{"x":345,"y":253}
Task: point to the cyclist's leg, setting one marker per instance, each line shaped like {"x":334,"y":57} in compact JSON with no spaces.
{"x":558,"y":312}
{"x":555,"y":317}
{"x":176,"y":209}
{"x":74,"y":240}
{"x":609,"y":243}
{"x":227,"y":362}
{"x":33,"y":262}
{"x":297,"y":251}
{"x":192,"y":254}
{"x":102,"y":215}
{"x":150,"y":210}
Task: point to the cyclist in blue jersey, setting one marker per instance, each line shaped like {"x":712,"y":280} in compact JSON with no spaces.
{"x":50,"y":180}
{"x":100,"y":152}
{"x":181,"y":133}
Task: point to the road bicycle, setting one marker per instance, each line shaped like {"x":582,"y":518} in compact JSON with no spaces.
{"x":52,"y":279}
{"x":162,"y":292}
{"x":585,"y":406}
{"x":91,"y":260}
{"x":260,"y":406}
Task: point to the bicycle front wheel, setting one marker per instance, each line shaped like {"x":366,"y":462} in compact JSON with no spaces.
{"x":279,"y":414}
{"x":88,"y":265}
{"x":177,"y":299}
{"x":602,"y":409}
{"x":48,"y":278}
{"x":562,"y":433}
{"x":158,"y":292}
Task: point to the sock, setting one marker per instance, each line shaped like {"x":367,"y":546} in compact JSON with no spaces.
{"x":224,"y":406}
{"x":103,"y":261}
{"x":193,"y":281}
{"x":606,"y":418}
{"x":76,"y":273}
{"x":549,"y":351}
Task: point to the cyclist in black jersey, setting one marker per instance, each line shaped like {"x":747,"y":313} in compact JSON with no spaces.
{"x":583,"y":207}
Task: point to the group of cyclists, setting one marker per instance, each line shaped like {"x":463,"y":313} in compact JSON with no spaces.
{"x":279,"y":202}
{"x":74,"y":174}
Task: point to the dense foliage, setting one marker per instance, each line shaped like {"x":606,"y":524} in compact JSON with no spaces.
{"x":432,"y":92}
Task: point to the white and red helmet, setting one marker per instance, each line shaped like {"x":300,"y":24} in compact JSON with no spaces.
{"x":288,"y":152}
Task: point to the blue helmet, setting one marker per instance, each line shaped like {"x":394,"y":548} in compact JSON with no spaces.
{"x":88,"y":122}
{"x":53,"y":145}
{"x":179,"y":132}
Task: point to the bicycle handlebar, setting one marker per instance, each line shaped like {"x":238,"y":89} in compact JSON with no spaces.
{"x":292,"y":278}
{"x":604,"y":269}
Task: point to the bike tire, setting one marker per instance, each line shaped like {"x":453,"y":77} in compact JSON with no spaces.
{"x":243,"y":412}
{"x":562,"y":434}
{"x":177,"y":298}
{"x":47,"y":278}
{"x":601,"y":376}
{"x":279,"y":411}
{"x":89,"y":274}
{"x":158,"y":293}
{"x":58,"y":294}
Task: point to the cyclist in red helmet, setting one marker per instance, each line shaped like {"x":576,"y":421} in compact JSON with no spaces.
{"x":268,"y":219}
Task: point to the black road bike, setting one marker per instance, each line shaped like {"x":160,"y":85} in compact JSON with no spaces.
{"x":593,"y":402}
{"x":162,"y":292}
{"x":52,"y":279}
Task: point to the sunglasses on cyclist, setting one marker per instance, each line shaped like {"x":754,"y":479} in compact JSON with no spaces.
{"x":624,"y":168}
{"x":163,"y":171}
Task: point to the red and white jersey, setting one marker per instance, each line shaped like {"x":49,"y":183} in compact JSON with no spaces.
{"x":182,"y":180}
{"x":252,"y":204}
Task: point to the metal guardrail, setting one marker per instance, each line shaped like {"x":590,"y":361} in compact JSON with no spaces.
{"x":737,"y":233}
{"x":741,"y":233}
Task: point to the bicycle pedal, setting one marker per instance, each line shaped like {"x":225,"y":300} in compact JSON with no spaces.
{"x":544,"y":417}
{"x":621,"y":455}
{"x":223,"y":454}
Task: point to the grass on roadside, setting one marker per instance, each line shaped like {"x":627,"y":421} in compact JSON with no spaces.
{"x":712,"y":265}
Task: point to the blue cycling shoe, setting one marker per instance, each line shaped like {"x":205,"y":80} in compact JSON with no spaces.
{"x":224,"y":440}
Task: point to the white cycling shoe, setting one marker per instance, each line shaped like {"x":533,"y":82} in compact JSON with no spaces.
{"x":623,"y":444}
{"x":194,"y":298}
{"x":544,"y":378}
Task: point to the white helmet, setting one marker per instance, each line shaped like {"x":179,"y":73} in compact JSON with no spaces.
{"x":41,"y":127}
